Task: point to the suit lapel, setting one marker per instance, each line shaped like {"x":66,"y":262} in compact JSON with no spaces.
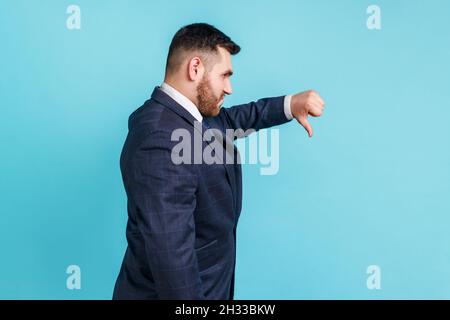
{"x":230,"y":155}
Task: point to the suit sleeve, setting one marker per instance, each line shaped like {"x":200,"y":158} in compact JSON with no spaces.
{"x":164,"y":194}
{"x":264,"y":113}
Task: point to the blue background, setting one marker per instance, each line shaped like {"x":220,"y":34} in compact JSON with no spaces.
{"x":371,"y":187}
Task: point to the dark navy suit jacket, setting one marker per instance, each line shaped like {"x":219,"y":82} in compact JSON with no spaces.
{"x":182,"y":218}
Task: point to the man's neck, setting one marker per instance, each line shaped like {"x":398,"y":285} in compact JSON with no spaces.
{"x":181,"y":89}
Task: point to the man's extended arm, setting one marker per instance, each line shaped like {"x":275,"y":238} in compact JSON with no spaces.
{"x":269,"y":112}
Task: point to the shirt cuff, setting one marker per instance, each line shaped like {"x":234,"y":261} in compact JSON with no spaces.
{"x":287,"y":107}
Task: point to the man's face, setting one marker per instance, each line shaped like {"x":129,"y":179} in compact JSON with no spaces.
{"x":214,"y":85}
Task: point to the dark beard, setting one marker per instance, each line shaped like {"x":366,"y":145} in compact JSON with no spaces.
{"x":207,"y":102}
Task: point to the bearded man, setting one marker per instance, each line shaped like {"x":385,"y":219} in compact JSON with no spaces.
{"x":182,"y":217}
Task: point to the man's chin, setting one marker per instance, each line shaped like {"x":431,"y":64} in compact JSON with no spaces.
{"x":216,"y":111}
{"x":213,"y":111}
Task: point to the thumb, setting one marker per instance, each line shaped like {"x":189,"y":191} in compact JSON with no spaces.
{"x":303,"y":120}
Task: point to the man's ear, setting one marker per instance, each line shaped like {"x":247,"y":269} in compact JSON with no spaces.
{"x":195,"y":69}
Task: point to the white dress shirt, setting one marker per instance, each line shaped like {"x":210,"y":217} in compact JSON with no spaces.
{"x":193,"y":110}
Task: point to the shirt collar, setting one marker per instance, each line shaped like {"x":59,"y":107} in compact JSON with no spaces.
{"x":182,"y":100}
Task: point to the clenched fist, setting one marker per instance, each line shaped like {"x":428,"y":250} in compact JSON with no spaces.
{"x":304,"y":104}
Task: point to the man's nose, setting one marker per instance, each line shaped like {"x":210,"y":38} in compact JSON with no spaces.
{"x":228,"y":90}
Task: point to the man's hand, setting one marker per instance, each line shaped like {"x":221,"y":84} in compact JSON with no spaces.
{"x":304,"y":104}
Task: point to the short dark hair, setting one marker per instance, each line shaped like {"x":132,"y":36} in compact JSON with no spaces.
{"x":198,"y":36}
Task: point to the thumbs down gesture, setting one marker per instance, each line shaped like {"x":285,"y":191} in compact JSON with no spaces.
{"x":305,"y":104}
